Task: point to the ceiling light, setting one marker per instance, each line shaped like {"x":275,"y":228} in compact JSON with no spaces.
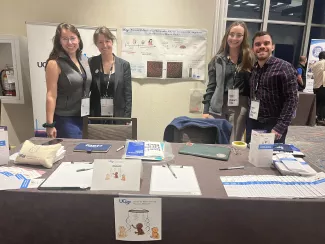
{"x":237,"y":6}
{"x":251,"y":4}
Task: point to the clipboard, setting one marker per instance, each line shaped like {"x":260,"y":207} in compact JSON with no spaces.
{"x":69,"y":176}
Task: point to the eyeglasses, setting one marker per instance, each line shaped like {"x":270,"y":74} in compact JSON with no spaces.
{"x":71,"y":39}
{"x":237,"y":35}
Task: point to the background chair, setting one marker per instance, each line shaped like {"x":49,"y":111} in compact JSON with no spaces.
{"x":198,"y":130}
{"x":119,"y":131}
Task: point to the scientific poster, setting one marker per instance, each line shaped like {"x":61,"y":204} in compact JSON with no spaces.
{"x":316,"y":46}
{"x":165,"y":53}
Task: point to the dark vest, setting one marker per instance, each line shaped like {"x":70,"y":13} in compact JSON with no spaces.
{"x":303,"y":76}
{"x":70,"y":86}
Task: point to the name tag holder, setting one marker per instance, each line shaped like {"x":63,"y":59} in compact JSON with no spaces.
{"x":254,"y":110}
{"x":233,"y":97}
{"x":107,"y":106}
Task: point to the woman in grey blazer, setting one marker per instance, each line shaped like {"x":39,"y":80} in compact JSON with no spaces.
{"x":111,"y":88}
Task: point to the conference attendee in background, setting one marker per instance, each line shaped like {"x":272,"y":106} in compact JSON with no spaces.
{"x":228,"y":87}
{"x":319,"y":87}
{"x":111,"y":82}
{"x":301,"y":69}
{"x":68,"y":81}
{"x":273,"y":90}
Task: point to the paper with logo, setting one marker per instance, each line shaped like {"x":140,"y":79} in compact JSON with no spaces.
{"x":137,"y":219}
{"x":163,"y":181}
{"x":26,"y":172}
{"x":145,"y":150}
{"x":116,"y":174}
{"x":261,"y":148}
{"x":4,"y":146}
{"x":87,"y":147}
{"x":206,"y":151}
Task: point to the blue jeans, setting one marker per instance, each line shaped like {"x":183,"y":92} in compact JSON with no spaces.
{"x":68,"y":126}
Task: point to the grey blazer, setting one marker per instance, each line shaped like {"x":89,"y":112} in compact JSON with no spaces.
{"x":123,"y":88}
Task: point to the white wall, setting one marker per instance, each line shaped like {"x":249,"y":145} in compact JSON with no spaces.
{"x":155,"y":103}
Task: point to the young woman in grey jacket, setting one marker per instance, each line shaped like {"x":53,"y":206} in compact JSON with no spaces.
{"x":227,"y":91}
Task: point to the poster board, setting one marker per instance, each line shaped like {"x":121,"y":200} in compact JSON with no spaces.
{"x":161,"y":53}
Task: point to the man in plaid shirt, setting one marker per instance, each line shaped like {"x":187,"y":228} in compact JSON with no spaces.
{"x":273,"y":85}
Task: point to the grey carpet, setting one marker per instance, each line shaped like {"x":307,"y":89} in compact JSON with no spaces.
{"x":311,"y":141}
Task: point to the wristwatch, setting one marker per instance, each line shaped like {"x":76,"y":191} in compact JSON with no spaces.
{"x":46,"y":125}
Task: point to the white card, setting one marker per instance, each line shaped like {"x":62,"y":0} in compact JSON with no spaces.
{"x":85,"y":106}
{"x":4,"y":147}
{"x":137,"y":219}
{"x":117,"y":174}
{"x":255,"y":107}
{"x":233,"y":97}
{"x":107,"y":106}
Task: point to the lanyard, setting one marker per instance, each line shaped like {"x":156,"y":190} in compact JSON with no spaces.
{"x":84,"y":78}
{"x":259,"y":73}
{"x":234,"y":76}
{"x":109,"y":75}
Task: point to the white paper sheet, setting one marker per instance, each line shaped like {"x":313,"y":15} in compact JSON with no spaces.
{"x":164,"y":183}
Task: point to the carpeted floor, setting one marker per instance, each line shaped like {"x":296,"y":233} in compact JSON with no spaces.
{"x":311,"y":141}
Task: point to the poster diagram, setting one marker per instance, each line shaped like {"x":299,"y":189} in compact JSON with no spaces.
{"x":165,"y":53}
{"x":137,"y":219}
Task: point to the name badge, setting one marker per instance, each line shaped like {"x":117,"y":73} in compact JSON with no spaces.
{"x":233,"y":97}
{"x":255,"y":107}
{"x":85,"y":105}
{"x":107,"y":106}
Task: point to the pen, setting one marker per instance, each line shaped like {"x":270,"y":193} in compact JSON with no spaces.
{"x":80,"y":170}
{"x":171,"y":170}
{"x":230,"y":168}
{"x":120,"y":148}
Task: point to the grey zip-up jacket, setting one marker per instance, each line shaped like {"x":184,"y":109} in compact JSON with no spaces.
{"x":70,"y":86}
{"x":213,"y":99}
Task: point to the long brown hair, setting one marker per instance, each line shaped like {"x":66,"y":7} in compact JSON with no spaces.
{"x":247,"y":58}
{"x":57,"y":47}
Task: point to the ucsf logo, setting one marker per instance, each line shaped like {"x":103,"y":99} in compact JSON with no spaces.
{"x":127,"y":202}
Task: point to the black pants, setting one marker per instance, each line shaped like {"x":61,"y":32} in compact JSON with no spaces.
{"x":320,"y":102}
{"x":253,"y":124}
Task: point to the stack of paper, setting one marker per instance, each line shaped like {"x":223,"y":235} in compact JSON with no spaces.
{"x":9,"y":181}
{"x":117,"y":174}
{"x":176,"y":180}
{"x":270,"y":186}
{"x":287,"y":164}
{"x":288,"y":149}
{"x":27,"y":173}
{"x":145,"y":150}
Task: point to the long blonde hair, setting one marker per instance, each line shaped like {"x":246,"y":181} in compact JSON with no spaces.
{"x":247,"y":58}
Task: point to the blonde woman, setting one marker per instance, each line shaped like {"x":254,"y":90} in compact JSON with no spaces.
{"x":228,"y":87}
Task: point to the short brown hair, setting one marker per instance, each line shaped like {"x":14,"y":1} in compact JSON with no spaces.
{"x":103,"y":30}
{"x":261,"y":33}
